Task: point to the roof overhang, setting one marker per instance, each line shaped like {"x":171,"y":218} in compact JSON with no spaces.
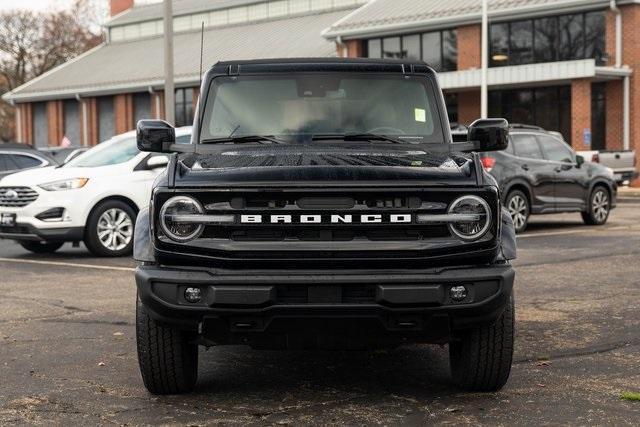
{"x":531,"y":75}
{"x":435,"y":23}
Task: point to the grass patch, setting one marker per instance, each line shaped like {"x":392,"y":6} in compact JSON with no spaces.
{"x":631,"y":396}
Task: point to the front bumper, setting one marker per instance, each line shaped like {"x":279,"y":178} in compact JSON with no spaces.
{"x":272,"y":309}
{"x":68,"y":228}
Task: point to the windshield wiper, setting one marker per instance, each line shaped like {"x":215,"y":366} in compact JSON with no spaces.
{"x":361,"y":137}
{"x":244,"y":139}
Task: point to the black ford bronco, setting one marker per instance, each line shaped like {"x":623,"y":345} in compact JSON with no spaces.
{"x":322,"y":204}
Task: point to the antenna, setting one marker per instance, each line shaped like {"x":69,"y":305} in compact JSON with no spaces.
{"x":201,"y":50}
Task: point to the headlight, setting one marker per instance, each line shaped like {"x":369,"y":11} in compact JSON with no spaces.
{"x":65,"y":184}
{"x":478,"y":221}
{"x":181,"y":231}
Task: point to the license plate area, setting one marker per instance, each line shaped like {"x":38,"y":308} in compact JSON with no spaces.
{"x":7,"y":220}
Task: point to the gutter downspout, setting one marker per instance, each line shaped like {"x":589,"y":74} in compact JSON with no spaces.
{"x":626,"y":93}
{"x":343,"y":46}
{"x":85,"y":121}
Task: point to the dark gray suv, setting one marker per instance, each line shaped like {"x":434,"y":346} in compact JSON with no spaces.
{"x":539,"y":173}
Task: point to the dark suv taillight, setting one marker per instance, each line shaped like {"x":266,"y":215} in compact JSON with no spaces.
{"x":488,"y":162}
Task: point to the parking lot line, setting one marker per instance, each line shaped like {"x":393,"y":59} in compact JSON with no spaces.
{"x":579,"y":231}
{"x":66,"y":264}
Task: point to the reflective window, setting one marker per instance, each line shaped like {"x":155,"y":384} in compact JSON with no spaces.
{"x":439,"y":49}
{"x":526,"y":146}
{"x":555,"y":38}
{"x":499,"y":44}
{"x":184,"y":107}
{"x":391,"y":48}
{"x":3,"y":162}
{"x":431,"y":53}
{"x":113,"y":152}
{"x":547,"y":107}
{"x":546,"y":35}
{"x":555,"y":150}
{"x":374,"y":48}
{"x":411,"y":47}
{"x":25,"y":162}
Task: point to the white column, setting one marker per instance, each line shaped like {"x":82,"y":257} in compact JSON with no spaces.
{"x":19,"y":136}
{"x":484,"y":49}
{"x":169,"y":87}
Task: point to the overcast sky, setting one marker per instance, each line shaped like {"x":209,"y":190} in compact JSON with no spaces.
{"x":45,"y":4}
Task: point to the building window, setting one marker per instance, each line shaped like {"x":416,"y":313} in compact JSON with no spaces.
{"x":598,"y":116}
{"x":549,"y":39}
{"x":547,"y":107}
{"x":72,"y":121}
{"x":184,"y":107}
{"x":106,"y":118}
{"x":141,"y":106}
{"x":40,"y":125}
{"x":439,"y":49}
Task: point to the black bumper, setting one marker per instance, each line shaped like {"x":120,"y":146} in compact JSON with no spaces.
{"x":264,"y":308}
{"x":29,"y":233}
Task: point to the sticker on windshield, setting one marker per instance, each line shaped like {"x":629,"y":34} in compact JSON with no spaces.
{"x":421,"y":115}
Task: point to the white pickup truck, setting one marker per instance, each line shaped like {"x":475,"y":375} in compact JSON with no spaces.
{"x":623,"y":163}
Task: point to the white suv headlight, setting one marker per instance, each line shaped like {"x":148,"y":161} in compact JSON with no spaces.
{"x":470,"y":229}
{"x":175,"y":229}
{"x":65,"y":184}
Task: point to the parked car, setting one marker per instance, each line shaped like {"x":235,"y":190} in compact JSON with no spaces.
{"x":64,"y":155}
{"x":539,"y":173}
{"x":621,"y":162}
{"x":94,"y":198}
{"x":321,"y":207}
{"x":16,"y":157}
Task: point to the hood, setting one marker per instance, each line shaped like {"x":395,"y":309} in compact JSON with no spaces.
{"x":235,"y":164}
{"x":33,"y":177}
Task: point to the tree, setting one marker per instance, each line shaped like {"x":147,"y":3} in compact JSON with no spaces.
{"x":32,"y":43}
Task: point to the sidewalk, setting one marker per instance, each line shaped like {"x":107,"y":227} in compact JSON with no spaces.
{"x":628,"y":195}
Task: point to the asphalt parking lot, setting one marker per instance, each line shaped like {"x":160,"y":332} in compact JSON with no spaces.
{"x":67,"y":349}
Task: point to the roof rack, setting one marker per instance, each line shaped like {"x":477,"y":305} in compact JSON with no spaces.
{"x":523,"y":126}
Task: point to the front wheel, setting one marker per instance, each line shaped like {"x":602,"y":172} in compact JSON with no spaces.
{"x":481,"y":359}
{"x":517,"y":203}
{"x":168,"y":358}
{"x":109,"y":231}
{"x":599,"y":207}
{"x":42,"y":247}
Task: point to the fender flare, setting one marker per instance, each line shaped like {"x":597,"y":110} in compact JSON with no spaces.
{"x":142,"y":249}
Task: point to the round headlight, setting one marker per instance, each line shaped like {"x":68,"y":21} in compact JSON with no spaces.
{"x":180,"y":231}
{"x":475,"y":217}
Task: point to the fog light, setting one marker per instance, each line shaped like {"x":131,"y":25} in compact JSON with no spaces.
{"x":458,"y":293}
{"x":193,"y":295}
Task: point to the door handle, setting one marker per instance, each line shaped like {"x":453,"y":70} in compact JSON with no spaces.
{"x":558,"y":169}
{"x":525,"y":167}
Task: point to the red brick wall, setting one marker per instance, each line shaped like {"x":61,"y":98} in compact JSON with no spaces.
{"x":355,"y":48}
{"x":631,"y":57}
{"x":55,"y":118}
{"x":89,"y":105}
{"x":119,"y":6}
{"x":610,"y":37}
{"x":468,"y":106}
{"x":469,"y":54}
{"x":123,"y":112}
{"x":580,"y":112}
{"x":26,"y":123}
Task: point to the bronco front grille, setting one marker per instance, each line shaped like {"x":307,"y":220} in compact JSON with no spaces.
{"x":319,"y":240}
{"x":17,"y":197}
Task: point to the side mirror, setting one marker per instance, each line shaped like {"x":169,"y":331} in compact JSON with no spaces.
{"x":579,"y":160}
{"x":488,"y":135}
{"x":155,"y":136}
{"x":157,"y":162}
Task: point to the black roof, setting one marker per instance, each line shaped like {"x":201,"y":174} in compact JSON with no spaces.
{"x":403,"y":66}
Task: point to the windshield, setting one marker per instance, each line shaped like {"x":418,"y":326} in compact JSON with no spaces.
{"x":108,"y":153}
{"x":309,"y":106}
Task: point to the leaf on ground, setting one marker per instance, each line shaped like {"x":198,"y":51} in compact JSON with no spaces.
{"x":631,"y":396}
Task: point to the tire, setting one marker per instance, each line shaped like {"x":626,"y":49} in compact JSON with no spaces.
{"x":168,"y":360}
{"x":110,"y":213}
{"x":42,"y":247}
{"x":599,"y":207}
{"x":481,"y":360}
{"x":517,"y":203}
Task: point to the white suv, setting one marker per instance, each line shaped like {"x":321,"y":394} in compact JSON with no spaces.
{"x":94,"y":198}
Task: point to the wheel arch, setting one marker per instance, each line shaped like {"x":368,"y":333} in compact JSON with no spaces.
{"x":518,"y":185}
